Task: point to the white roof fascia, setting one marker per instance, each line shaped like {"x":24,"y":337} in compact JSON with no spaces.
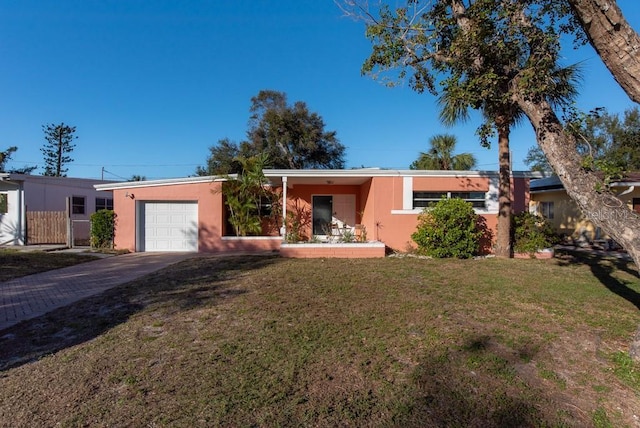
{"x":164,"y":182}
{"x":390,"y":173}
{"x":625,"y":183}
{"x":319,"y":173}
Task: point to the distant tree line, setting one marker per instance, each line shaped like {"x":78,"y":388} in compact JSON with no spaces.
{"x":602,"y":136}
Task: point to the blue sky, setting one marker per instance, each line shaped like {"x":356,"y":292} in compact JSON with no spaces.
{"x":151,"y":85}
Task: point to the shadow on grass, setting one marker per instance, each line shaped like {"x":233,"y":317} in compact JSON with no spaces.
{"x":479,"y":384}
{"x":603,"y":269}
{"x":193,"y":283}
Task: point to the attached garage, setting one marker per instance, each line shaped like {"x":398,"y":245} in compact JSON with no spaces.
{"x":167,"y":226}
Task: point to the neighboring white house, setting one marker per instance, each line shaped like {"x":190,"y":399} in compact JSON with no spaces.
{"x":22,"y":192}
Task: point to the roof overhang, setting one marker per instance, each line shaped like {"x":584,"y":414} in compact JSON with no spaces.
{"x":156,"y":183}
{"x":340,"y":177}
{"x":345,"y":177}
{"x":553,"y":184}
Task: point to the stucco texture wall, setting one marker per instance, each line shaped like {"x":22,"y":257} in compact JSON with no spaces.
{"x":207,"y":195}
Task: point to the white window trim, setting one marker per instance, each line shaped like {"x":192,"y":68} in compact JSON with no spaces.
{"x":407,"y":193}
{"x":491,"y":198}
{"x":415,"y":211}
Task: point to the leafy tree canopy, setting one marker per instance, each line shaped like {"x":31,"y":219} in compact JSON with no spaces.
{"x":440,"y":156}
{"x":604,"y":137}
{"x":290,"y":136}
{"x":473,"y":54}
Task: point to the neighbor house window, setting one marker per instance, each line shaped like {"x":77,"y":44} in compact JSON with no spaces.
{"x":104,"y":204}
{"x":77,"y":204}
{"x":546,"y":209}
{"x":4,"y":203}
{"x":426,"y":199}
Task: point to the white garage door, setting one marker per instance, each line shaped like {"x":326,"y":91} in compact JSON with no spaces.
{"x":169,"y":226}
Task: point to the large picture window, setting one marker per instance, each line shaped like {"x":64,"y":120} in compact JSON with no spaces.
{"x":426,"y":199}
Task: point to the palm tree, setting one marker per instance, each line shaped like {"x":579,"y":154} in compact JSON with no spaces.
{"x":440,"y":156}
{"x":501,"y":114}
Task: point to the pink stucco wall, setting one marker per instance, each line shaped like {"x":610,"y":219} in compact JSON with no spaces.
{"x":520,"y":193}
{"x":343,"y":251}
{"x":300,"y":197}
{"x":209,"y":211}
{"x":378,"y":204}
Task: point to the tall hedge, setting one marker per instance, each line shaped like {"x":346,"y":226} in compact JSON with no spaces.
{"x":102,"y":228}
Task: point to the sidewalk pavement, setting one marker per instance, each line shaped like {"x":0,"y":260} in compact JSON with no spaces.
{"x":34,"y":295}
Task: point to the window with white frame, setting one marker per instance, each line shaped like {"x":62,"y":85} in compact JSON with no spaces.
{"x":78,"y":204}
{"x":4,"y":203}
{"x":426,"y":199}
{"x":546,"y":210}
{"x":104,"y":204}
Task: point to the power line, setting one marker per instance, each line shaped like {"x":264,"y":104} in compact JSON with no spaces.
{"x":109,"y":172}
{"x":120,"y":165}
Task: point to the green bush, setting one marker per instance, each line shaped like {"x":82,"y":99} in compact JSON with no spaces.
{"x":102,"y":228}
{"x":448,"y":229}
{"x":532,"y":233}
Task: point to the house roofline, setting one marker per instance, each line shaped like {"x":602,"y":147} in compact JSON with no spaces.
{"x":318,"y":173}
{"x":375,"y":172}
{"x":553,"y":183}
{"x":163,"y":182}
{"x":15,"y":177}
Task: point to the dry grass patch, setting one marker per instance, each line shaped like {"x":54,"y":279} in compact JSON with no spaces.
{"x":263,"y":341}
{"x":14,"y":264}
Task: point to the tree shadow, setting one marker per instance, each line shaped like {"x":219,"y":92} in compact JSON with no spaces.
{"x":603,"y":269}
{"x":196,"y":282}
{"x":486,"y":236}
{"x":479,"y":385}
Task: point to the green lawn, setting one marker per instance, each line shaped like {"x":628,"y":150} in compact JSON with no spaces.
{"x":264,"y":341}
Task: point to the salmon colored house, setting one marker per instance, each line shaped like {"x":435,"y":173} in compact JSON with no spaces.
{"x":379,"y":208}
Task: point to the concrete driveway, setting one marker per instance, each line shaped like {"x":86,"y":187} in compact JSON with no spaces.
{"x":35,"y":295}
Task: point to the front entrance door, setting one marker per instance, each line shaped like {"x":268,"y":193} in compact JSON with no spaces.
{"x":322,"y":213}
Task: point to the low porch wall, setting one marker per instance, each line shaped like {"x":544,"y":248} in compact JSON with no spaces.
{"x":250,"y":243}
{"x":341,"y":251}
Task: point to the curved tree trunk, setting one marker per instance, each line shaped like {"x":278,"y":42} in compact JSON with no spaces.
{"x":613,"y":38}
{"x":503,"y":235}
{"x":605,"y":210}
{"x":619,"y":47}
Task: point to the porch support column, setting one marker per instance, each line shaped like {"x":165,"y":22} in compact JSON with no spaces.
{"x":283,"y":229}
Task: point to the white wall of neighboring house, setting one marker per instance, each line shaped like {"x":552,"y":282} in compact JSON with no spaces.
{"x":12,"y":222}
{"x":40,"y":193}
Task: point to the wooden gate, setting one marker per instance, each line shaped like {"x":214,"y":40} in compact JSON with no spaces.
{"x":46,"y":227}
